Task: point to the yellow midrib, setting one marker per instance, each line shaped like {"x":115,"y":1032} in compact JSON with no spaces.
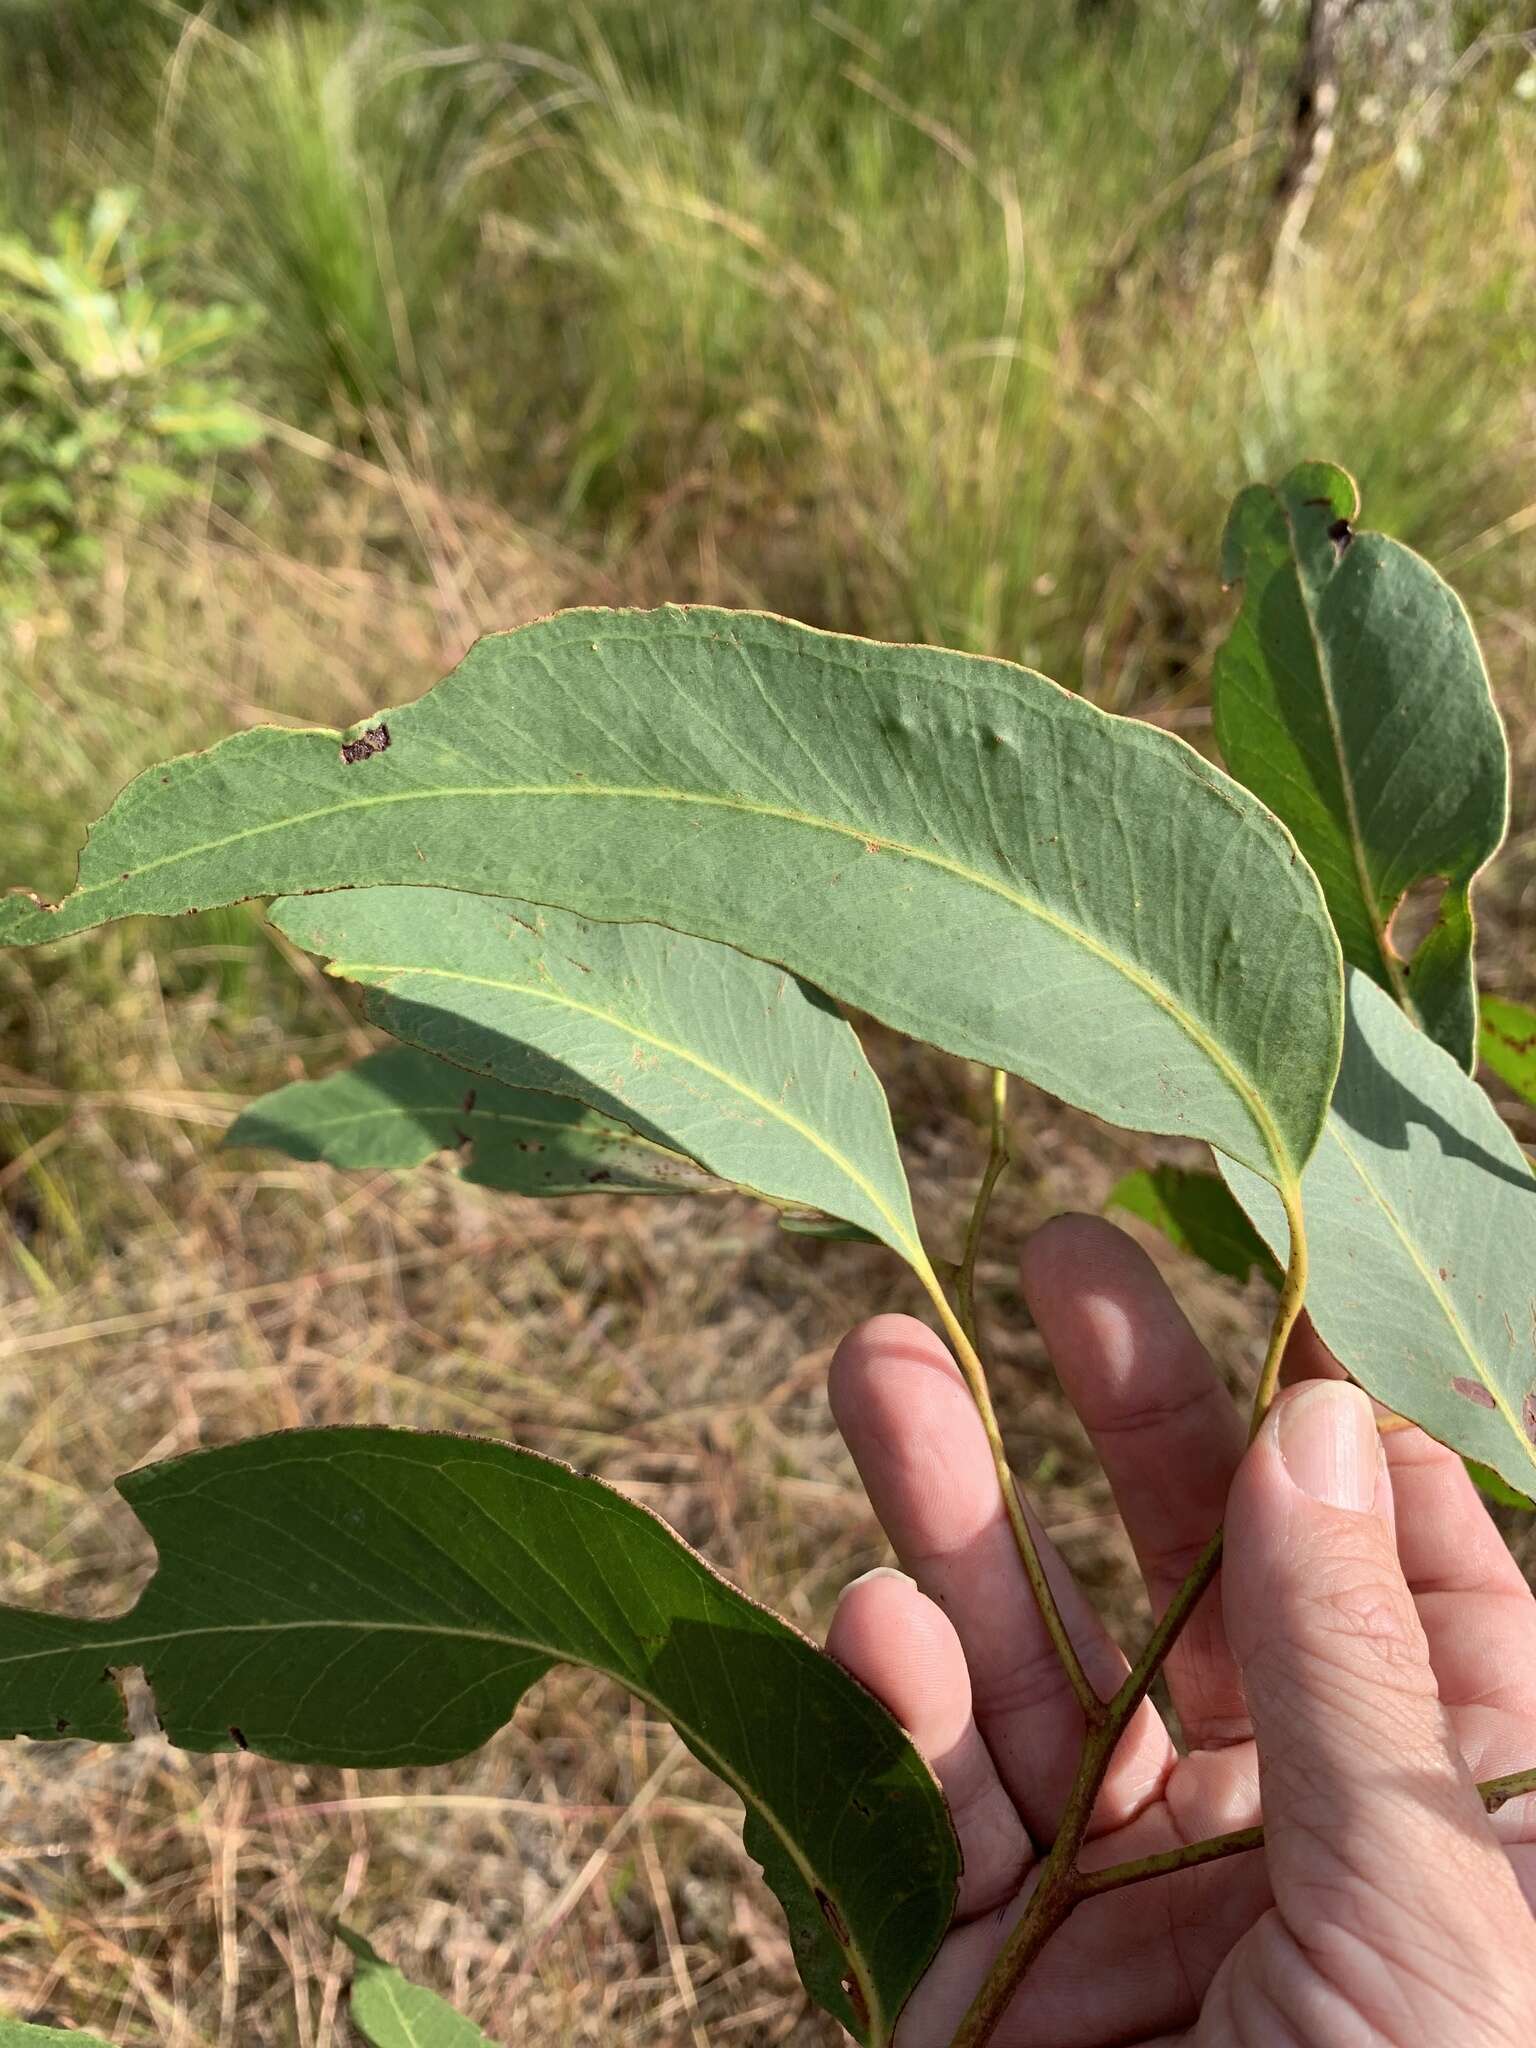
{"x":611,"y":1131}
{"x":1239,"y":1082}
{"x":1390,"y":962}
{"x":904,"y":1239}
{"x":1442,"y":1300}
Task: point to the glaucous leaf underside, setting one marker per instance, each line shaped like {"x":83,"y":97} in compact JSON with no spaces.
{"x":1421,"y":1213}
{"x":18,"y":2034}
{"x":951,"y":843}
{"x":389,"y":2011}
{"x":397,"y":1108}
{"x":695,"y":1046}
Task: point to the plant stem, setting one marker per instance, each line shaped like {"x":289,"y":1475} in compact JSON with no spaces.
{"x":1163,"y":1637}
{"x":975,"y":1377}
{"x":1287,"y":1310}
{"x":1494,"y":1793}
{"x":1062,"y":1885}
{"x":997,"y":1160}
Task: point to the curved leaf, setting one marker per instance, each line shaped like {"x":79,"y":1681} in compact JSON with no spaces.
{"x":1506,"y":1044}
{"x":390,"y":2011}
{"x":376,"y":1598}
{"x":1196,"y":1211}
{"x":693,"y":1045}
{"x":17,"y":2034}
{"x":1495,"y":1489}
{"x":951,"y":843}
{"x":1351,"y":696}
{"x":398,"y":1107}
{"x":1421,"y":1214}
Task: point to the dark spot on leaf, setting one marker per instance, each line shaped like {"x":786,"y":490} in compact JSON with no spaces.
{"x":373,"y":741}
{"x":1528,"y":1414}
{"x":854,"y":1994}
{"x":237,"y":1736}
{"x":1415,"y":915}
{"x":1473,"y":1390}
{"x":61,"y":1727}
{"x":1341,"y":533}
{"x":529,"y":1145}
{"x":833,"y":1916}
{"x":1445,"y":1272}
{"x":469,"y":1102}
{"x":596,"y":1179}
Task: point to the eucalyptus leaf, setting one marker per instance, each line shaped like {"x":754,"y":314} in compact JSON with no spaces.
{"x":1497,"y":1490}
{"x":17,"y":2034}
{"x":1421,"y":1214}
{"x":390,"y":2011}
{"x":398,"y":1107}
{"x":1352,"y":697}
{"x":377,"y":1598}
{"x":948,"y":842}
{"x":694,"y":1046}
{"x":1506,"y":1044}
{"x":1196,"y":1210}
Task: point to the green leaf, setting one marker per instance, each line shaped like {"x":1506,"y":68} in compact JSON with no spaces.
{"x":1506,"y":1044}
{"x":1421,"y":1213}
{"x":377,"y":1598}
{"x":693,"y":1045}
{"x":391,"y":2012}
{"x":1494,"y":1488}
{"x":827,"y":1228}
{"x":17,"y":2034}
{"x":1197,"y":1211}
{"x":398,"y":1107}
{"x":1351,"y":696}
{"x":950,"y":843}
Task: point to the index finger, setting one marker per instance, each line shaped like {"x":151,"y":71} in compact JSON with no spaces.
{"x":916,"y":1438}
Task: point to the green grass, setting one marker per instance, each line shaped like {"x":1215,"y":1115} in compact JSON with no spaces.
{"x":948,"y":323}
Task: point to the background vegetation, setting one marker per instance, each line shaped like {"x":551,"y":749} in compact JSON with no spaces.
{"x":332,"y":335}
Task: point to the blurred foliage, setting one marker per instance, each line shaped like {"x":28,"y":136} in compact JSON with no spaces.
{"x":111,"y":389}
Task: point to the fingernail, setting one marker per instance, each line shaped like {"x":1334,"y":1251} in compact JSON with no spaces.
{"x":1327,"y":1439}
{"x":881,"y":1571}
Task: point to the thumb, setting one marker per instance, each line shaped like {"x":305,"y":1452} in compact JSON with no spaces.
{"x":1376,"y":1840}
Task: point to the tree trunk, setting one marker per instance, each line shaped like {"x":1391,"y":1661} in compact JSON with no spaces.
{"x":1382,"y":51}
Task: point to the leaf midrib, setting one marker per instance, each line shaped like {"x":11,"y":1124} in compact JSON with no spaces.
{"x":701,"y":1748}
{"x":1442,"y":1300}
{"x":908,"y":1243}
{"x":1239,"y":1082}
{"x":611,"y":1132}
{"x":1391,"y":965}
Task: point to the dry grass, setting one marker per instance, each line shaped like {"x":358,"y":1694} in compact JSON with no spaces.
{"x":580,"y":1878}
{"x":776,"y":380}
{"x":162,"y":1295}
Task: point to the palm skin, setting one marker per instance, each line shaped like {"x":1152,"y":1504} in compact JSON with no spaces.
{"x":1386,"y":1659}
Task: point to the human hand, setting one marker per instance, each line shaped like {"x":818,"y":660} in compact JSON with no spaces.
{"x":1364,"y":1664}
